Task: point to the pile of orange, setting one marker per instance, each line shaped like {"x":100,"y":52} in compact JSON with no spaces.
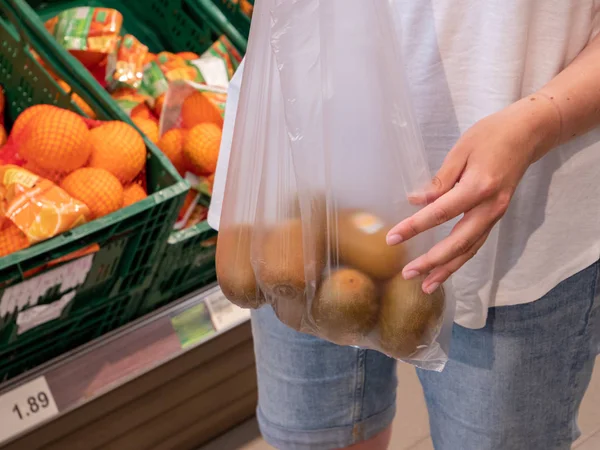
{"x":99,"y":164}
{"x":195,"y":146}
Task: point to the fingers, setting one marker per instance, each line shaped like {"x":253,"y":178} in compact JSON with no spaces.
{"x":460,"y":241}
{"x":440,"y":274}
{"x":452,"y":204}
{"x":445,"y":179}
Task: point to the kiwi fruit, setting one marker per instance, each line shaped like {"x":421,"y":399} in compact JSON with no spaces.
{"x":361,"y":243}
{"x":282,"y":264}
{"x":408,"y":317}
{"x":234,"y":268}
{"x":290,"y":312}
{"x":346,"y":307}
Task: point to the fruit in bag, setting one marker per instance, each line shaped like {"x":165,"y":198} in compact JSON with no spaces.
{"x":38,"y":207}
{"x":199,"y":108}
{"x":90,"y":34}
{"x":133,"y":194}
{"x":346,"y":306}
{"x":236,"y":276}
{"x":201,"y":148}
{"x":100,"y":190}
{"x":12,"y":239}
{"x":57,"y":140}
{"x":128,"y":161}
{"x":361,"y":242}
{"x":24,"y":118}
{"x":321,"y":169}
{"x":132,"y":102}
{"x":147,"y":126}
{"x":125,"y":68}
{"x":171,"y":144}
{"x":281,"y":270}
{"x":409,"y":318}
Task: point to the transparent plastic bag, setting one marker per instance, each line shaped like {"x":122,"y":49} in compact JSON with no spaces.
{"x":338,"y":154}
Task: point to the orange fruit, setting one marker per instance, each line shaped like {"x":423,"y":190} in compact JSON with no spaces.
{"x":118,"y":148}
{"x":201,"y":148}
{"x":142,"y":111}
{"x":171,"y":144}
{"x":12,"y":239}
{"x":78,"y":100}
{"x":24,"y":118}
{"x":100,"y":190}
{"x":3,"y":136}
{"x":52,"y":175}
{"x":48,"y":224}
{"x":190,"y":56}
{"x":58,"y":141}
{"x":148,"y":126}
{"x":197,"y":109}
{"x":133,"y":194}
{"x":159,"y":104}
{"x":149,"y":58}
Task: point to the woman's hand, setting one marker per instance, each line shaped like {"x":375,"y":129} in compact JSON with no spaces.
{"x":477,"y":179}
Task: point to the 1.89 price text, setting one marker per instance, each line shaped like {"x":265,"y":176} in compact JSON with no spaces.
{"x":32,"y":405}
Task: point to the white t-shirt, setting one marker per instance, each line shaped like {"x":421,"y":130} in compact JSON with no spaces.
{"x":467,"y":59}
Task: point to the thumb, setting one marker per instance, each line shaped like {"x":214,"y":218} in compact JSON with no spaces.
{"x":444,"y":180}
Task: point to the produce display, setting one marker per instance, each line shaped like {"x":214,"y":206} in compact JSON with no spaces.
{"x":321,"y":169}
{"x":176,"y":99}
{"x":59,"y":170}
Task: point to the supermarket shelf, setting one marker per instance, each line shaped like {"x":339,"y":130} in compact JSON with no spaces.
{"x":200,"y":335}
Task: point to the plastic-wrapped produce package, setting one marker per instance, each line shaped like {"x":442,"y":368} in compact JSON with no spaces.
{"x":333,"y":158}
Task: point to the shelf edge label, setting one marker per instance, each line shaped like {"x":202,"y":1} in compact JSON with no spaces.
{"x":223,"y":313}
{"x":25,"y":407}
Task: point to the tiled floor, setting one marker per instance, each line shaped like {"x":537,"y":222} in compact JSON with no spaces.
{"x":411,"y":430}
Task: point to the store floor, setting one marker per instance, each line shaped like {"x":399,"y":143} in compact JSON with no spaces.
{"x":411,"y":430}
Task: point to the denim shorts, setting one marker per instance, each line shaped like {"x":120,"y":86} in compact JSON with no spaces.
{"x":514,"y":385}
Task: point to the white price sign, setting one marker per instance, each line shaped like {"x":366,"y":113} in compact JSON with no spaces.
{"x":25,"y":407}
{"x":223,"y":313}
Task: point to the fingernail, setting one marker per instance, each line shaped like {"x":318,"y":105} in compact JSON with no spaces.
{"x":431,"y":288}
{"x":393,"y":239}
{"x":410,"y":274}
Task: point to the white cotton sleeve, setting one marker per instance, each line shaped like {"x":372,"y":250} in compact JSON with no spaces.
{"x":233,"y":96}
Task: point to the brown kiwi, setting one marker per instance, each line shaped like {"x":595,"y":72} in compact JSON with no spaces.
{"x":408,"y":317}
{"x":361,"y":241}
{"x":282,"y":267}
{"x":346,"y":307}
{"x":290,"y":312}
{"x":234,"y":269}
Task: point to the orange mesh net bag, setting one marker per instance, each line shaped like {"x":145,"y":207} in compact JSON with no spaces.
{"x":59,"y":170}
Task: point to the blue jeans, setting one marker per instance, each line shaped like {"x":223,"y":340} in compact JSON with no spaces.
{"x":514,"y":385}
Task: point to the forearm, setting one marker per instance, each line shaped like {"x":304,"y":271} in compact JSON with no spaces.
{"x":566,"y":107}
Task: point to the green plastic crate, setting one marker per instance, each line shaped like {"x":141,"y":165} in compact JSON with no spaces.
{"x":188,"y":264}
{"x":57,"y":337}
{"x":131,"y":240}
{"x":175,"y":25}
{"x":231,"y":18}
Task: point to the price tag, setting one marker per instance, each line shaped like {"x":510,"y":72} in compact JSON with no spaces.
{"x":25,"y":407}
{"x":192,"y":325}
{"x":224,"y":314}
